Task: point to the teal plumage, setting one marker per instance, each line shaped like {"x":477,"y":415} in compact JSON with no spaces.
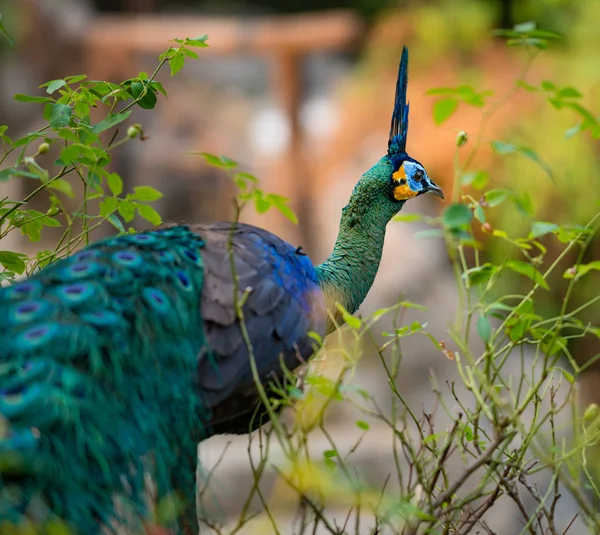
{"x":117,"y":361}
{"x":96,"y":374}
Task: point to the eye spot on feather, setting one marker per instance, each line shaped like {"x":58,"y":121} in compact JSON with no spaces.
{"x":141,"y":238}
{"x":76,"y":293}
{"x":127,"y":258}
{"x":183,"y":280}
{"x":156,"y":299}
{"x":144,"y":239}
{"x":79,"y":268}
{"x":193,"y":256}
{"x":101,"y":318}
{"x":28,"y":311}
{"x":86,"y":255}
{"x":21,"y":290}
{"x":37,"y":335}
{"x":29,"y":306}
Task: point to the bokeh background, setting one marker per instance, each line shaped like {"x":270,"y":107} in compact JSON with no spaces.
{"x":300,"y":92}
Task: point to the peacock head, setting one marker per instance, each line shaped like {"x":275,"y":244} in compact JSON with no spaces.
{"x":408,"y":178}
{"x":396,"y":177}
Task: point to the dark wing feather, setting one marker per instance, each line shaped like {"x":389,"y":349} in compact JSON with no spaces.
{"x":283,"y":303}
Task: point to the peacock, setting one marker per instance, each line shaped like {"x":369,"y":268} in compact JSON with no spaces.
{"x":117,"y":361}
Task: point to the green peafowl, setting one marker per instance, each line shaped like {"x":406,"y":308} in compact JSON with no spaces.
{"x":117,"y":361}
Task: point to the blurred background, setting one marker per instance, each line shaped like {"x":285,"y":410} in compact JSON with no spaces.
{"x":300,"y":92}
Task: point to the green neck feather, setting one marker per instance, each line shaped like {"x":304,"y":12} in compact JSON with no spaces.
{"x":347,"y":275}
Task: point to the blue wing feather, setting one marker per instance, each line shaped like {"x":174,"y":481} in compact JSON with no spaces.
{"x":284,"y":303}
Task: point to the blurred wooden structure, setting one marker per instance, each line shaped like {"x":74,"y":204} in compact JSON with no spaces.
{"x":112,"y":47}
{"x":112,"y":44}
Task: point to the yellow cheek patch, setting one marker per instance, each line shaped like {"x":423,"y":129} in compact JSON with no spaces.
{"x":400,"y":175}
{"x":403,"y":192}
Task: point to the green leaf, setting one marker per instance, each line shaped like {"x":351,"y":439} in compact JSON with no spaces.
{"x":479,"y":213}
{"x":116,"y":222}
{"x":189,"y":53}
{"x":63,"y":186}
{"x":484,"y":329}
{"x":477,"y":179}
{"x":157,"y":86}
{"x":261,"y":204}
{"x":115,"y":184}
{"x":60,"y":116}
{"x":506,"y":148}
{"x":408,"y":218}
{"x":146,"y":193}
{"x":199,"y":42}
{"x":144,"y":94}
{"x":127,"y":211}
{"x":495,"y":197}
{"x":110,"y":120}
{"x":457,"y":216}
{"x":218,"y":161}
{"x":443,"y":109}
{"x":108,"y":206}
{"x":25,"y":140}
{"x":68,"y":135}
{"x":75,"y":78}
{"x":49,"y":222}
{"x":176,"y":63}
{"x":524,"y":27}
{"x":69,"y":154}
{"x":13,"y":261}
{"x":540,"y":228}
{"x":149,"y":214}
{"x":361,"y":424}
{"x":5,"y":174}
{"x":481,"y":274}
{"x":352,"y":321}
{"x":528,"y":270}
{"x":281,"y":203}
{"x":429,"y":233}
{"x":30,"y":98}
{"x":54,"y":85}
{"x":5,"y":34}
{"x":568,"y":92}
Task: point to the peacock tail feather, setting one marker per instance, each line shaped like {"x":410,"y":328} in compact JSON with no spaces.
{"x":98,"y":357}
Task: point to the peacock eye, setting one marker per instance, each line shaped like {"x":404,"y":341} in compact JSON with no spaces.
{"x":419,"y":175}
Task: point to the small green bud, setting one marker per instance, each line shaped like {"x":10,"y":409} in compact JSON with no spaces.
{"x":461,"y":138}
{"x":53,"y":211}
{"x":43,"y":148}
{"x":571,"y":272}
{"x":591,"y":412}
{"x":135,"y":130}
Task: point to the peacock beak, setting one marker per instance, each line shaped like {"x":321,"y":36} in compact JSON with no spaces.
{"x":434,"y":189}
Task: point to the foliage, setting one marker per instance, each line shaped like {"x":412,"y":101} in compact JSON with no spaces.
{"x":504,"y":430}
{"x":83,"y":193}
